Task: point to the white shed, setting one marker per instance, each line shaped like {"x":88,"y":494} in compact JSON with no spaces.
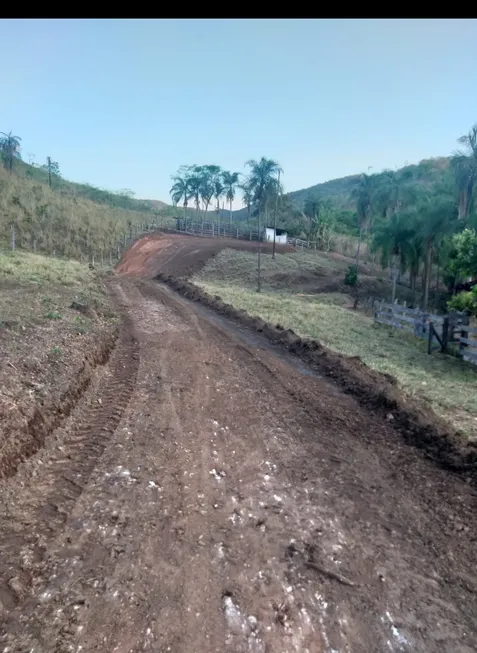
{"x":280,"y":235}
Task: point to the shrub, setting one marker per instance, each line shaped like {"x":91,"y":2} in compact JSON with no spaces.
{"x":351,"y":276}
{"x":465,"y":301}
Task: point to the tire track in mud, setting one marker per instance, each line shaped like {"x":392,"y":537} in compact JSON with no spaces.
{"x":50,"y":493}
{"x":191,"y":467}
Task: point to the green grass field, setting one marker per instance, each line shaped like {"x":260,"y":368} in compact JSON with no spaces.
{"x":448,"y":384}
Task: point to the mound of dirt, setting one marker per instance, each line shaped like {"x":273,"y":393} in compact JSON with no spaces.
{"x":180,"y":255}
{"x":48,"y":364}
{"x":417,"y":424}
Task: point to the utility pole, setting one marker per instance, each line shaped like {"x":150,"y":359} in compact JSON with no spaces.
{"x":259,"y":280}
{"x":275,"y":215}
{"x":48,"y":161}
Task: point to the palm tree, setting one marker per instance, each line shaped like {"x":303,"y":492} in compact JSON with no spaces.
{"x":206,"y":192}
{"x":464,"y":166}
{"x":206,"y":176}
{"x":247,"y":198}
{"x":194,"y":179}
{"x":392,"y":238}
{"x":262,"y":180}
{"x":230,"y":181}
{"x":412,"y":259}
{"x":9,"y":148}
{"x":218,"y":193}
{"x":393,"y":192}
{"x":436,"y":219}
{"x":181,"y":191}
{"x":364,"y":196}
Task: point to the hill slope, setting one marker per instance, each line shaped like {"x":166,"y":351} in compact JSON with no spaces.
{"x":123,"y":199}
{"x":50,"y":221}
{"x":427,"y":173}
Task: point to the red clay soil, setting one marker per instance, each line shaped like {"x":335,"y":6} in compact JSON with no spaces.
{"x":179,"y":254}
{"x":212,"y":493}
{"x":417,"y":423}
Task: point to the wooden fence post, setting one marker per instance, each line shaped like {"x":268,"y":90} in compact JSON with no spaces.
{"x":429,"y":337}
{"x":445,"y":334}
{"x":463,"y":334}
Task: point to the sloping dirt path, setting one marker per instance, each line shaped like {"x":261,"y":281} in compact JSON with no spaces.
{"x":180,"y":254}
{"x":236,"y":505}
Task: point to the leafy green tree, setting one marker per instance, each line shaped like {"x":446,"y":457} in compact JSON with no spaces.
{"x":10,"y":149}
{"x":464,"y":260}
{"x":465,"y":301}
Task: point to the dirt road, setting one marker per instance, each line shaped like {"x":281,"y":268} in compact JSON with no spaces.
{"x":180,"y":254}
{"x":210,"y":495}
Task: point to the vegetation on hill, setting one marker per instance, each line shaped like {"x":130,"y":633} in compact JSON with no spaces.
{"x":49,"y":173}
{"x":41,"y":211}
{"x":411,"y":218}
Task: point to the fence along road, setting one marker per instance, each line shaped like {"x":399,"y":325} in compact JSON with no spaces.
{"x":451,"y":328}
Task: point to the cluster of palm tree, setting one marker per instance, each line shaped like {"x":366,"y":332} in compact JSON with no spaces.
{"x":203,"y":185}
{"x":413,"y":226}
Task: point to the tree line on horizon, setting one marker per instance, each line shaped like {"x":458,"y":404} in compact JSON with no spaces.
{"x":413,"y":227}
{"x":425,"y":230}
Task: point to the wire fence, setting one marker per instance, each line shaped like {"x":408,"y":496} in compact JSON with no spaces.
{"x":81,"y":245}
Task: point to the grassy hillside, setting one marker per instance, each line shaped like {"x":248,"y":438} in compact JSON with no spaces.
{"x":123,"y":199}
{"x":428,"y":173}
{"x":50,"y":221}
{"x":302,"y":292}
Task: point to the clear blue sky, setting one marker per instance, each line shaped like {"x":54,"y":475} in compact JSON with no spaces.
{"x":123,"y":103}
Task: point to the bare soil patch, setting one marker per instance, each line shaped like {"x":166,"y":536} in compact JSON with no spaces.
{"x":418,"y":425}
{"x":179,"y":254}
{"x":52,"y":336}
{"x":240,"y":505}
{"x":223,"y":486}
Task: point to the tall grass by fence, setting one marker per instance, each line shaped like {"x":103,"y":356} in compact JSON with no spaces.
{"x":447,"y":330}
{"x":96,"y":253}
